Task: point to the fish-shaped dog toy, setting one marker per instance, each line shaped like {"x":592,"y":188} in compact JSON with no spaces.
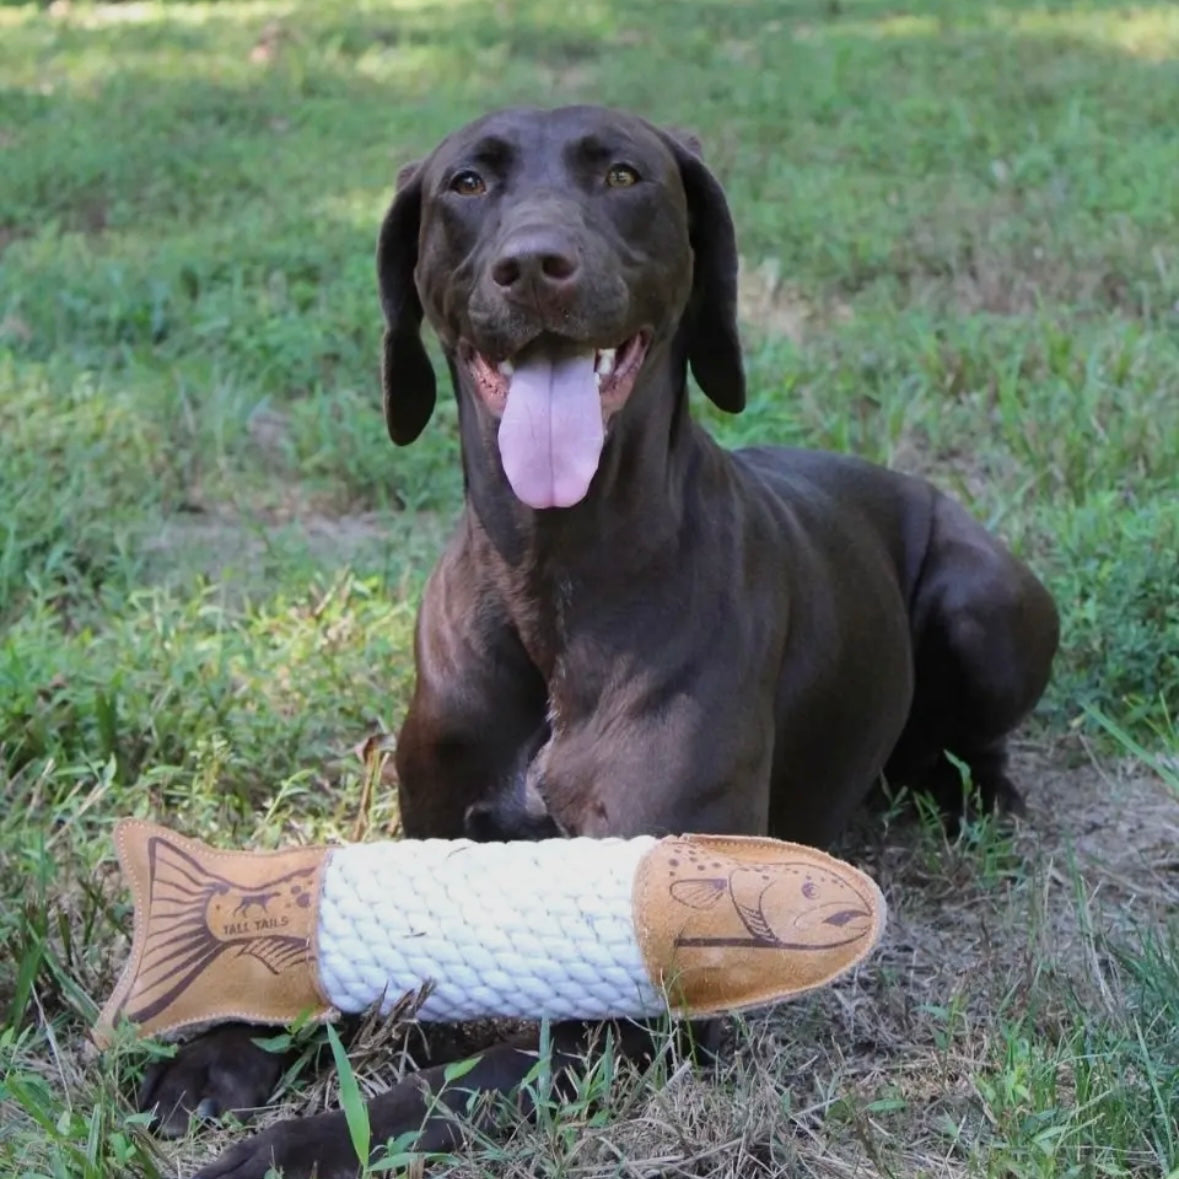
{"x":561,"y":928}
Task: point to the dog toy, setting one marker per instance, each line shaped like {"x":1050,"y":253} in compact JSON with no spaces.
{"x":561,"y":928}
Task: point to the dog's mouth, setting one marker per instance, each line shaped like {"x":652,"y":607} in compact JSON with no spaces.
{"x":554,"y":399}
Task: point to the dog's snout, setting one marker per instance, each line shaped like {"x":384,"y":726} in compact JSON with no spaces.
{"x":536,"y":263}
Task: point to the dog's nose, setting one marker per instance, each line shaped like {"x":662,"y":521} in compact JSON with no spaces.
{"x":536,"y":264}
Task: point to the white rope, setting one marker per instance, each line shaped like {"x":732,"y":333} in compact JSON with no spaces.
{"x":526,"y":930}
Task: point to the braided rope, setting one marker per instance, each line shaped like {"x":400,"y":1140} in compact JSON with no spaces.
{"x":524,"y":930}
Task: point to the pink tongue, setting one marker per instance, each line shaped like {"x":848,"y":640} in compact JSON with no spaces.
{"x":550,"y":435}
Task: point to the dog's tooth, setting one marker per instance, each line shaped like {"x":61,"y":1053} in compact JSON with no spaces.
{"x":505,"y":368}
{"x":606,"y":361}
{"x":598,"y":381}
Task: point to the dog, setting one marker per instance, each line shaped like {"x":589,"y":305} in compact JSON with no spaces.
{"x":632,"y":630}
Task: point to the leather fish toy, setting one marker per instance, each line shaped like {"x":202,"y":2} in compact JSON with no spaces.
{"x":563,"y":928}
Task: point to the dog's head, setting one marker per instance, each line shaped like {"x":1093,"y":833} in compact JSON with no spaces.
{"x":556,"y":253}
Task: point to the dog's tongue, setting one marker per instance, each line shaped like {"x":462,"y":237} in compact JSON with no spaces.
{"x":551,"y":434}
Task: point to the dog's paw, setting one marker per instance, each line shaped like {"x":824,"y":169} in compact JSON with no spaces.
{"x":1000,"y":796}
{"x":221,"y":1072}
{"x":317,"y":1146}
{"x":964,"y":790}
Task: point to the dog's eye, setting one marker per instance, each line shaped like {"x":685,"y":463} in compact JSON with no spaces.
{"x":622,"y":176}
{"x":468,"y":183}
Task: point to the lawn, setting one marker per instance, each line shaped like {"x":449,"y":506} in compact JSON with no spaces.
{"x":959,"y":223}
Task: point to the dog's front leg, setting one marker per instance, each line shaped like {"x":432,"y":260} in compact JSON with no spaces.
{"x":437,"y":1112}
{"x":477,"y":715}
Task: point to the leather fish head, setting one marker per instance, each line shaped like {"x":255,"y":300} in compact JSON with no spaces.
{"x":802,"y":904}
{"x":726,"y":923}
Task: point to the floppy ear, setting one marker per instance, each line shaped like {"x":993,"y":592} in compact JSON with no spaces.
{"x":407,"y":377}
{"x":710,"y":324}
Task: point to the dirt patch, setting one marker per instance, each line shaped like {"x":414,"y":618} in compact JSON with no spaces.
{"x":1120,"y":821}
{"x":229,"y":548}
{"x":270,"y":431}
{"x":247,"y":552}
{"x":13,"y":327}
{"x":569,"y":80}
{"x":963,"y":256}
{"x":271,"y":39}
{"x":772,"y":307}
{"x":1111,"y":829}
{"x":92,"y":216}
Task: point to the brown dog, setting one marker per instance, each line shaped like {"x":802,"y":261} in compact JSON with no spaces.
{"x":633,"y":630}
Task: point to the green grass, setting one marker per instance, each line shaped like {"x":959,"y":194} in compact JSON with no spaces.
{"x":961,"y":238}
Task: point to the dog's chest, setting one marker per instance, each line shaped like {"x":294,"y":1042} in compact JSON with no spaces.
{"x":540,"y":610}
{"x":558,"y":639}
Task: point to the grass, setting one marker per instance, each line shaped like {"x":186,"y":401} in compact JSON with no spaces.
{"x":961,"y":250}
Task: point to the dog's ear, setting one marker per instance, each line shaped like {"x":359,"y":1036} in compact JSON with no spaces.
{"x":407,"y":377}
{"x":710,"y":324}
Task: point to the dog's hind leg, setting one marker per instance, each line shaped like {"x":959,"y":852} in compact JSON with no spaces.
{"x":985,"y":633}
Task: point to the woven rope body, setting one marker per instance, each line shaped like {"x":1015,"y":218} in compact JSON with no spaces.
{"x":527,"y":930}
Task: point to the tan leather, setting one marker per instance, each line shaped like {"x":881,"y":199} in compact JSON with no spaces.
{"x":218,"y":935}
{"x":729,"y":923}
